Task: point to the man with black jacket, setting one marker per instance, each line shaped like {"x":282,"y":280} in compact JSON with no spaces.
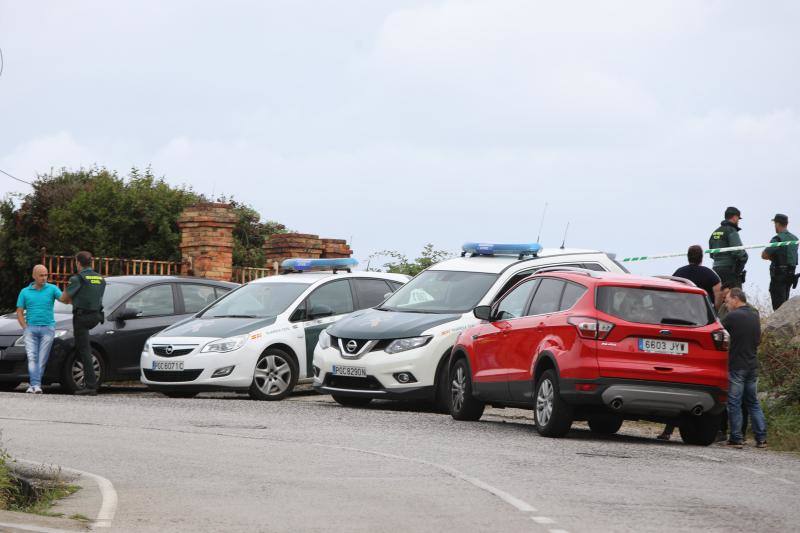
{"x":729,"y":266}
{"x":744,"y":326}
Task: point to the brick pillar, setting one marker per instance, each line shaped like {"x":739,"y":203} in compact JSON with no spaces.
{"x":207,"y":240}
{"x":288,"y":245}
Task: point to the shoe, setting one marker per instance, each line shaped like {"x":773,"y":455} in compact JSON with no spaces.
{"x":86,"y":392}
{"x":761,"y":444}
{"x":734,"y":444}
{"x":37,"y":390}
{"x":664,"y":436}
{"x":30,"y":390}
{"x":721,"y":436}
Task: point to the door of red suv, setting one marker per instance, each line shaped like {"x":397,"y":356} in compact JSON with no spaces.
{"x":659,"y":334}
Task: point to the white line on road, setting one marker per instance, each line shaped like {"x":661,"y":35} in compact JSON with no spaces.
{"x":753,"y":470}
{"x":543,"y":520}
{"x":787,"y":481}
{"x":24,"y":527}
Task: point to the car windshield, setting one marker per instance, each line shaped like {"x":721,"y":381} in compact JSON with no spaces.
{"x":441,"y":291}
{"x":653,"y":306}
{"x":256,"y":300}
{"x":115,"y":290}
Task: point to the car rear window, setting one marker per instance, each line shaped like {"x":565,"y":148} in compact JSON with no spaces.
{"x":654,"y":306}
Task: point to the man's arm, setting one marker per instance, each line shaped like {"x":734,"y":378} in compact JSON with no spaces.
{"x":767,"y":253}
{"x":21,"y":317}
{"x":735,"y":240}
{"x":65,"y":298}
{"x":72,"y":289}
{"x":717,"y":295}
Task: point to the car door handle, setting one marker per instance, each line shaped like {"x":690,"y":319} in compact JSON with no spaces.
{"x":475,"y":337}
{"x":663,"y":368}
{"x":109,"y":332}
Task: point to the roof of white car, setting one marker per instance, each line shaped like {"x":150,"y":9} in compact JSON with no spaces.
{"x":313,"y":277}
{"x":496,"y":264}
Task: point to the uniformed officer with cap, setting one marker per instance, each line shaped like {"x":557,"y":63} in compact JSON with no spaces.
{"x":729,"y":265}
{"x":85,"y":291}
{"x":783,"y":262}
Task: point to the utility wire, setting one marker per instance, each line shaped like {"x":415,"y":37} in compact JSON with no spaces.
{"x":15,"y":178}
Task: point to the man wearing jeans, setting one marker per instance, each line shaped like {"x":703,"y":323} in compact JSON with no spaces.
{"x":35,"y":315}
{"x":744,"y":326}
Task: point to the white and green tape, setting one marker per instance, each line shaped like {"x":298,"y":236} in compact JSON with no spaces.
{"x":711,"y":251}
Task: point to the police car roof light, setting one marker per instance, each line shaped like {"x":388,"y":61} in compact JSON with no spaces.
{"x":483,"y":248}
{"x":299,"y":264}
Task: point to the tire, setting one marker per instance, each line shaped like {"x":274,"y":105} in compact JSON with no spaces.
{"x":351,"y":401}
{"x":72,"y":373}
{"x":8,"y":386}
{"x":179,"y":394}
{"x":463,"y":405}
{"x":441,"y":402}
{"x":699,"y":430}
{"x":552,"y":415}
{"x":605,"y":423}
{"x":274,"y":375}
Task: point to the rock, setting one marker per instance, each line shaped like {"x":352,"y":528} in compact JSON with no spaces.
{"x":784,"y":324}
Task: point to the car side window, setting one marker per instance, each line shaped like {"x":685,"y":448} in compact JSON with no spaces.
{"x":370,"y":292}
{"x":514,"y":303}
{"x":153,"y":301}
{"x":572,"y":293}
{"x":335,"y":295}
{"x":395,"y":285}
{"x":513,"y":280}
{"x":547,"y":297}
{"x":595,"y":266}
{"x":220,"y":291}
{"x":196,"y":297}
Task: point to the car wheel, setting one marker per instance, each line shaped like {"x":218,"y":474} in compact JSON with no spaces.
{"x":552,"y":415}
{"x":605,"y":423}
{"x":9,"y":385}
{"x":351,"y":401}
{"x":179,"y":394}
{"x":73,"y":376}
{"x":274,"y":376}
{"x":699,"y":430}
{"x":463,"y":406}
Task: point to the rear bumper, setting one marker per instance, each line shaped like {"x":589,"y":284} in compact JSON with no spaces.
{"x":645,"y":398}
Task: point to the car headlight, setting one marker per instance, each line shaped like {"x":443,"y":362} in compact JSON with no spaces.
{"x":146,"y":347}
{"x":401,"y":345}
{"x":225,"y":345}
{"x":324,"y":340}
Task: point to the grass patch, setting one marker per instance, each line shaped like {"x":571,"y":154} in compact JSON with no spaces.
{"x":80,"y":517}
{"x":783,"y":425}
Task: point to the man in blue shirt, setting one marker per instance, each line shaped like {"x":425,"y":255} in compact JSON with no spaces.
{"x":35,"y":315}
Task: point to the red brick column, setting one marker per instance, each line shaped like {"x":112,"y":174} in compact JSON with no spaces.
{"x":288,"y":245}
{"x":207,"y":240}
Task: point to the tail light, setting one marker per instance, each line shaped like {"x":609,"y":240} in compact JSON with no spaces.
{"x":591,"y":328}
{"x":722,"y":339}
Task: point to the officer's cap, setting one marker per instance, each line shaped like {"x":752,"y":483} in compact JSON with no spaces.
{"x":781,"y":219}
{"x":732,"y":211}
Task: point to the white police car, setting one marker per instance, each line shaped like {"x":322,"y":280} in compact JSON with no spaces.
{"x":399,"y":350}
{"x":260,"y":337}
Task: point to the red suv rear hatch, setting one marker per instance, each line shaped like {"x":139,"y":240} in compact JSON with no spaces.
{"x":660,"y":334}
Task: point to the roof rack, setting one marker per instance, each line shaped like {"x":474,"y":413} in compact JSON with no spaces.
{"x":576,"y":270}
{"x":679,"y":280}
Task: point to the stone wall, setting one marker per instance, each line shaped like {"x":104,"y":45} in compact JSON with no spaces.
{"x":207,"y":240}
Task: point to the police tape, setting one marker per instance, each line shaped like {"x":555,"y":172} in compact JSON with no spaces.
{"x":711,"y":251}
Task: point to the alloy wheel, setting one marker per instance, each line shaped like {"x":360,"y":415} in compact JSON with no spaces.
{"x":78,"y":375}
{"x":458,"y":388}
{"x":272,"y":374}
{"x":544,"y":402}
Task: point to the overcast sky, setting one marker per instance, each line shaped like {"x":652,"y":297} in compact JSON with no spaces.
{"x":402,"y":123}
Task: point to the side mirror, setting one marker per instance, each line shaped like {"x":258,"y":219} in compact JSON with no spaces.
{"x":319,"y":311}
{"x":483,"y":312}
{"x":127,"y":313}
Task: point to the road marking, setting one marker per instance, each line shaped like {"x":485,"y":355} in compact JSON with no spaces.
{"x":38,"y":529}
{"x":543,"y":520}
{"x":753,"y":470}
{"x":108,"y":507}
{"x":787,"y":481}
{"x":559,"y":531}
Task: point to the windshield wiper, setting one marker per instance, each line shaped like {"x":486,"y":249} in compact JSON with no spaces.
{"x":233,"y":316}
{"x":678,"y":321}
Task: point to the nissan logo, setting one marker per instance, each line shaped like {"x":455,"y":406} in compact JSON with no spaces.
{"x":169,"y":349}
{"x":351,"y":346}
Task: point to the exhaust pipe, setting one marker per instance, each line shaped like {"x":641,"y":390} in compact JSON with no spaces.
{"x":616,"y":404}
{"x":697,"y":410}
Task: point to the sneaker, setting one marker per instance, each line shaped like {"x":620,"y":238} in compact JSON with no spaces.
{"x":761,"y":444}
{"x":30,"y":390}
{"x":37,"y":390}
{"x":734,"y":444}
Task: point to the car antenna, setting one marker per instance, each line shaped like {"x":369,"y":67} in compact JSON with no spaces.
{"x":564,"y":241}
{"x":541,"y":224}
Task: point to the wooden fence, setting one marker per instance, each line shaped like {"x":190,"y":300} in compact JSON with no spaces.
{"x":247,"y":274}
{"x":61,"y":267}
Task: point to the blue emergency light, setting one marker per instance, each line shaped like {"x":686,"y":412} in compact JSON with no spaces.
{"x":303,"y":265}
{"x":488,"y":248}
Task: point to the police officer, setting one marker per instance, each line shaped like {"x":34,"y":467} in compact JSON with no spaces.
{"x":85,"y":291}
{"x":729,"y":266}
{"x":783,"y":262}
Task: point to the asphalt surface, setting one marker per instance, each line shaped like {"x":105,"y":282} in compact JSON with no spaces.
{"x":226,"y":463}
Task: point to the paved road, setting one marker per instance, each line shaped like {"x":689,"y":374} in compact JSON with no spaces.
{"x":225,"y":463}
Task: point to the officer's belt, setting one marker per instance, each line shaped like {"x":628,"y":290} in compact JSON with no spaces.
{"x":85,"y":311}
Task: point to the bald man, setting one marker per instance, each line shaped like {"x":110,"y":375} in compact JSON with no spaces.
{"x":35,"y":316}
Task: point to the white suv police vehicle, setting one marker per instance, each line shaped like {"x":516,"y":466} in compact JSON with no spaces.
{"x":260,"y":337}
{"x":399,"y":350}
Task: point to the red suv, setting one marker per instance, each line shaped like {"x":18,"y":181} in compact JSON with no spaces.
{"x":575,"y":344}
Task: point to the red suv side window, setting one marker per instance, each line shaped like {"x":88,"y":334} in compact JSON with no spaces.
{"x":548,"y":297}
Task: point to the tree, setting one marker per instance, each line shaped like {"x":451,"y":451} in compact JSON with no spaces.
{"x":401,"y":265}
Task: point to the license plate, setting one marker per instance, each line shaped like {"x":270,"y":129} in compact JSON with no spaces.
{"x":352,"y":371}
{"x":168,"y":365}
{"x":663,"y":346}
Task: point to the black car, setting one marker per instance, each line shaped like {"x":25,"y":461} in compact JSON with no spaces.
{"x":136,"y":307}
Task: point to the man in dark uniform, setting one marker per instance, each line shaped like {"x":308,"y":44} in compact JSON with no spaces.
{"x":729,"y":266}
{"x":85,"y":291}
{"x":783,"y":262}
